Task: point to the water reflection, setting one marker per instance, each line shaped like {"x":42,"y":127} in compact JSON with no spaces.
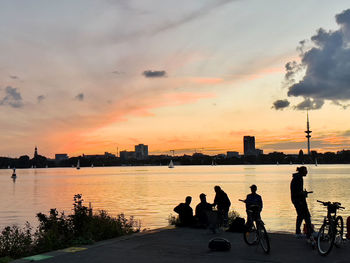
{"x":150,"y":193}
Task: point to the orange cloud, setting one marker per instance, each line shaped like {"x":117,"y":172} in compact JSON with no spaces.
{"x":207,"y":81}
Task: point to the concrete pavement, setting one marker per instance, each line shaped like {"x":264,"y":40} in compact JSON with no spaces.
{"x":191,"y":245}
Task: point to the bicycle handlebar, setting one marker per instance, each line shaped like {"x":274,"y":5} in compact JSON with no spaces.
{"x":329,"y":203}
{"x":241,"y":200}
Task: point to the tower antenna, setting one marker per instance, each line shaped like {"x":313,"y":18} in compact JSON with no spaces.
{"x":308,"y":132}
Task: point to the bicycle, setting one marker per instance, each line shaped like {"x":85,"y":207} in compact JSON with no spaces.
{"x":332,"y":229}
{"x":256,"y":233}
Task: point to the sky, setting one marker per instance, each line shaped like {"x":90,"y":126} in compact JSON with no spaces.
{"x":88,"y":77}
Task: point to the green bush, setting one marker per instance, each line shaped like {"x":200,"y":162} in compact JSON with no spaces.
{"x":16,"y":241}
{"x":56,"y":231}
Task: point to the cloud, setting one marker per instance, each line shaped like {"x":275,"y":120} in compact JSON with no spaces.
{"x":310,"y":104}
{"x":40,"y":98}
{"x":154,"y":74}
{"x":12,"y":98}
{"x":326,"y":65}
{"x":280,"y":104}
{"x":79,"y":97}
{"x":14,"y":77}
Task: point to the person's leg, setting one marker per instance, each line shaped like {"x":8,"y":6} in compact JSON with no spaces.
{"x":307,"y":218}
{"x":299,"y":218}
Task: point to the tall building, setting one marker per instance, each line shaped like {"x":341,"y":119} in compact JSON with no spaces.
{"x":35,"y":152}
{"x":141,"y":151}
{"x":308,"y":136}
{"x":249,"y":145}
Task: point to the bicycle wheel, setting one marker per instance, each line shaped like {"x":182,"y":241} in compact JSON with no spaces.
{"x":263,"y":238}
{"x":339,"y":224}
{"x":251,"y":236}
{"x":325,"y":239}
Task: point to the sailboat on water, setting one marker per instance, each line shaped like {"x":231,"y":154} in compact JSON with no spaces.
{"x":78,"y":165}
{"x":14,"y":175}
{"x":171,"y":164}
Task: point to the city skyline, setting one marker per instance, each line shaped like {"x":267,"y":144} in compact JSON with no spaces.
{"x":89,"y":77}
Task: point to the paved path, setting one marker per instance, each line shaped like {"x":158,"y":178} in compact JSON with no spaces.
{"x":191,"y":245}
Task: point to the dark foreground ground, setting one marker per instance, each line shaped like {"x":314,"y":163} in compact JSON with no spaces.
{"x":190,"y":245}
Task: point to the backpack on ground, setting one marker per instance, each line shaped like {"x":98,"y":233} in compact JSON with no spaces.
{"x":219,"y":244}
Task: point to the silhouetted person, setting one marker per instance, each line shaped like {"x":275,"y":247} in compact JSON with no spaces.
{"x":222,"y":202}
{"x":185,"y":212}
{"x":298,"y":196}
{"x":254,"y":203}
{"x":202,"y":210}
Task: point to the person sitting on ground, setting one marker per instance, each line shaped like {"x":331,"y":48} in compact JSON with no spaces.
{"x":222,"y":202}
{"x":185,"y":212}
{"x":202,"y":210}
{"x":254,"y":203}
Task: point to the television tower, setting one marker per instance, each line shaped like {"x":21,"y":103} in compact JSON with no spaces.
{"x":308,"y":136}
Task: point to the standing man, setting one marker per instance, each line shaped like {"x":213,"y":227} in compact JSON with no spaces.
{"x":185,"y":212}
{"x":298,"y":196}
{"x":222,"y":202}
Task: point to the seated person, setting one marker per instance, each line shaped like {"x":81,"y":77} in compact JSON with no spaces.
{"x":185,"y":212}
{"x":253,"y":200}
{"x":202,"y":210}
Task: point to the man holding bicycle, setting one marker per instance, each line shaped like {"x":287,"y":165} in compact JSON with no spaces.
{"x":298,"y":196}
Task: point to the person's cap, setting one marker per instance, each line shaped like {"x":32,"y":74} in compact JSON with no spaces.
{"x":253,"y":186}
{"x":202,"y":195}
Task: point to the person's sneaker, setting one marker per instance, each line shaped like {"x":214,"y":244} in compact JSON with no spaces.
{"x":299,"y":236}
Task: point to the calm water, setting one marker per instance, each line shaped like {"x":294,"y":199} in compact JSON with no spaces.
{"x":151,"y":193}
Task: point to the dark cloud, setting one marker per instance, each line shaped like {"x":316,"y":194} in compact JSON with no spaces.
{"x":326,"y":65}
{"x":280,"y":104}
{"x":12,"y":98}
{"x":79,"y":97}
{"x":40,"y":98}
{"x":310,"y":104}
{"x":154,"y":74}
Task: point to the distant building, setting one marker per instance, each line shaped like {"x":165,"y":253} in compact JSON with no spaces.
{"x":249,"y":145}
{"x":141,"y":151}
{"x":126,"y":155}
{"x":232,"y":154}
{"x":35,"y":152}
{"x":61,"y":156}
{"x":110,"y":155}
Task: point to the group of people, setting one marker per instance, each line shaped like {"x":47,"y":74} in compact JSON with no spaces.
{"x":222,"y":204}
{"x":203,"y":209}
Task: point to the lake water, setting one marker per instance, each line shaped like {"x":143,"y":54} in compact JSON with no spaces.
{"x":150,"y":193}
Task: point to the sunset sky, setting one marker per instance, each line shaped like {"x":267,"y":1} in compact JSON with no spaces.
{"x":89,"y":77}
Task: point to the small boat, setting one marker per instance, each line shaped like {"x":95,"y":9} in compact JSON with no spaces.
{"x":316,"y":162}
{"x":14,"y":173}
{"x":8,"y":167}
{"x":92,"y":165}
{"x":78,"y":165}
{"x":171,"y":164}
